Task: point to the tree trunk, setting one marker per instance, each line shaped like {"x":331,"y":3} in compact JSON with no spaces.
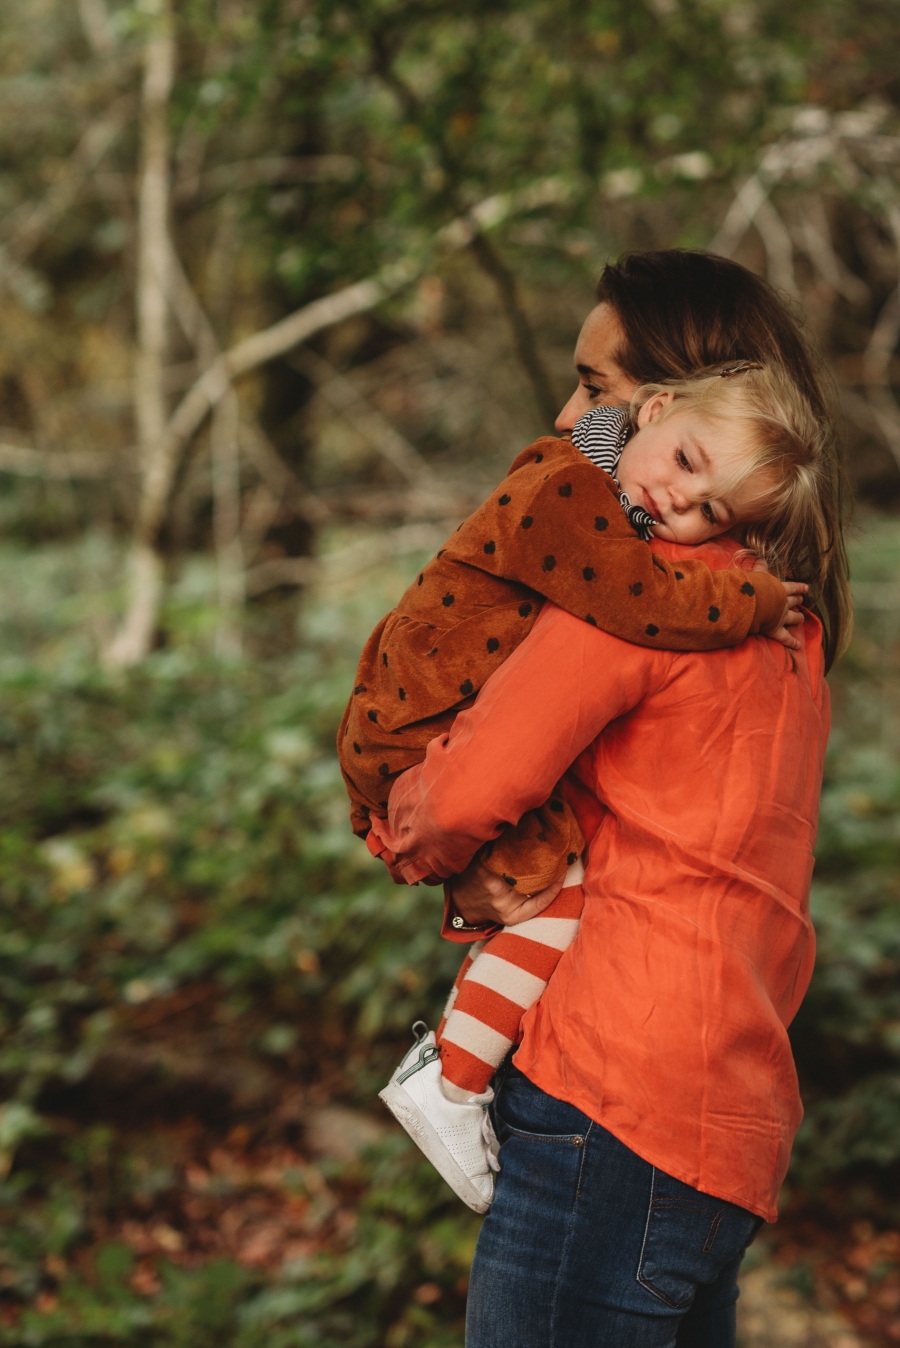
{"x":135,"y":637}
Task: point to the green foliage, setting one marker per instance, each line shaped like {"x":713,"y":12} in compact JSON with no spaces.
{"x":182,"y":834}
{"x":847,"y":1033}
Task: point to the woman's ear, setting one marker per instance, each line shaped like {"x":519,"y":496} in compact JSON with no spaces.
{"x":654,"y":407}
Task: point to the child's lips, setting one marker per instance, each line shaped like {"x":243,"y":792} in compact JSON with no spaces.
{"x":651,"y":507}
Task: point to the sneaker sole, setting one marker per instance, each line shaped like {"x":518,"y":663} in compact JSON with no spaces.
{"x":430,"y":1144}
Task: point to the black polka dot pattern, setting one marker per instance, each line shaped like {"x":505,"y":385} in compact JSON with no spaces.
{"x":516,"y":553}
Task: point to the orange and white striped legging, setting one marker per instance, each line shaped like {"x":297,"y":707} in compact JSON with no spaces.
{"x":499,"y":980}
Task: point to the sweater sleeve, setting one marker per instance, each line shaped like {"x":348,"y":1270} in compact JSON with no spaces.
{"x":555,"y":525}
{"x":504,"y":755}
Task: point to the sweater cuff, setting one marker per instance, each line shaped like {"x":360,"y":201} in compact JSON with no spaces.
{"x":770,"y":602}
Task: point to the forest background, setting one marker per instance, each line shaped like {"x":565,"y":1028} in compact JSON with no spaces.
{"x":285,"y":286}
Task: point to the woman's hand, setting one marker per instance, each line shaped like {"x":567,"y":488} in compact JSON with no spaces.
{"x":480,"y":896}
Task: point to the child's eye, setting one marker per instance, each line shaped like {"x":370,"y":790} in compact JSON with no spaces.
{"x":708,"y":513}
{"x":683,"y":461}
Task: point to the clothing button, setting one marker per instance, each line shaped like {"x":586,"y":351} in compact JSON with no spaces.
{"x":577,"y":1141}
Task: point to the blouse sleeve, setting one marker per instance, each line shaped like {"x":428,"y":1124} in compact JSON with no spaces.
{"x":504,"y":755}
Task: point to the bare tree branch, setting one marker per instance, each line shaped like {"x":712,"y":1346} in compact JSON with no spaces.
{"x":343,"y":395}
{"x":816,"y":238}
{"x":134,"y":638}
{"x":298,"y":327}
{"x":26,"y":227}
{"x":267,"y":171}
{"x":526,"y":347}
{"x":97,"y":28}
{"x":226,"y":480}
{"x":779,"y":248}
{"x":350,"y":561}
{"x":26,"y":462}
{"x":279,"y":479}
{"x":883,"y":344}
{"x":740,"y":216}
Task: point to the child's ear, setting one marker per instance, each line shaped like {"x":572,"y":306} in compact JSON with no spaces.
{"x":654,"y":407}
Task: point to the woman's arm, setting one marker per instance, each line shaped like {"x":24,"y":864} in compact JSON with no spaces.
{"x":504,"y":755}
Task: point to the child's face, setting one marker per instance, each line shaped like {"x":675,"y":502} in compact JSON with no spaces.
{"x":677,"y":468}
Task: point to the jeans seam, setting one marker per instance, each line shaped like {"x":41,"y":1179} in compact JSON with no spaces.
{"x":713,"y":1231}
{"x":648,"y":1286}
{"x":554,"y":1139}
{"x":569,"y":1235}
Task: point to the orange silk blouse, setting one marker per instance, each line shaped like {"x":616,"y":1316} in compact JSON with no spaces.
{"x":698,"y":776}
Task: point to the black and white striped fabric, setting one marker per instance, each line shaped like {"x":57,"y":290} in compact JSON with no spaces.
{"x":601,"y":435}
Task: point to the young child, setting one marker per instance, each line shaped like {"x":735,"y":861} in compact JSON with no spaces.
{"x":688,"y":461}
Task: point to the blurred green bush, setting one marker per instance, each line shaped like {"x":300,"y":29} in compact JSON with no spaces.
{"x":189,"y":933}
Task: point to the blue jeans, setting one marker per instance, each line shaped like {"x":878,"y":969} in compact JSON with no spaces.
{"x":588,"y":1246}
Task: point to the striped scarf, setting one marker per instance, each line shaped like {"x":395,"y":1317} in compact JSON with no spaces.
{"x":601,"y":435}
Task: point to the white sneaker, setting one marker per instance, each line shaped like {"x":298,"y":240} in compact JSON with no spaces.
{"x":457,"y":1138}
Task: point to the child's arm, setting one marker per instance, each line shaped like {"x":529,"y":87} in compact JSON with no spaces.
{"x":555,"y":524}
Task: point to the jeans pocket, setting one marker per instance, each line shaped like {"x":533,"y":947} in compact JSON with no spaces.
{"x":524,"y":1111}
{"x":689,"y":1238}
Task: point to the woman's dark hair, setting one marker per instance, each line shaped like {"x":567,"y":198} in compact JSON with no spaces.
{"x":681,"y":312}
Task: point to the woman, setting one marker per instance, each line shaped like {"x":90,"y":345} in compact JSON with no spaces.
{"x":648,"y":1116}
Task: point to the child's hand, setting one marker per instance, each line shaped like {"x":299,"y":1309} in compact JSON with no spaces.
{"x":795,"y":593}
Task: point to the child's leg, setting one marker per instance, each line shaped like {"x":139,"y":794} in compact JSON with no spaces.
{"x":496,"y":985}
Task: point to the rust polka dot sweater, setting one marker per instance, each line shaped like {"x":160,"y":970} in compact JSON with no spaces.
{"x":554,"y":529}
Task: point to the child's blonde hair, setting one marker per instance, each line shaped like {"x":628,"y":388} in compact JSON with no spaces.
{"x":798,"y":527}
